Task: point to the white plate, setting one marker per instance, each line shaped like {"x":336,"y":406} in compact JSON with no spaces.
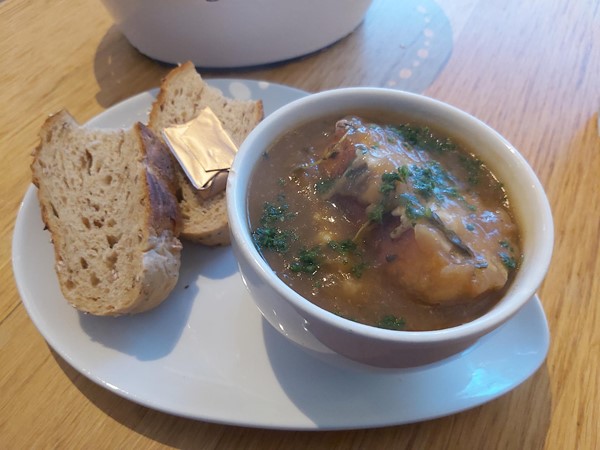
{"x":206,"y":353}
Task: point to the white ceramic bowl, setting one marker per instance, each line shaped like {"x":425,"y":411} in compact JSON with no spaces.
{"x":234,"y":33}
{"x":314,"y":328}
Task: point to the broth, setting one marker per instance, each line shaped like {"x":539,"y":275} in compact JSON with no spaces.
{"x":388,"y":225}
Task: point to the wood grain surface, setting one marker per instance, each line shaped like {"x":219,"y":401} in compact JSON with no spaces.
{"x":529,"y":69}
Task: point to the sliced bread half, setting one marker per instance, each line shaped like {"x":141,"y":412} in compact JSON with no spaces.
{"x":182,"y":95}
{"x":108,"y":199}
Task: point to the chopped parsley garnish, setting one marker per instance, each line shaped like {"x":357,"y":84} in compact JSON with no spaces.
{"x":415,"y":136}
{"x":473,"y":166}
{"x":427,"y":180}
{"x":505,"y":244}
{"x":344,"y":247}
{"x":358,"y":269}
{"x":388,"y":182}
{"x":269,"y":236}
{"x":423,"y":138}
{"x":391,"y":322}
{"x":307,"y":261}
{"x":274,"y":213}
{"x":446,"y":145}
{"x":376,"y":213}
{"x":351,"y":253}
{"x":431,"y":180}
{"x":404,"y":173}
{"x":509,"y":262}
{"x":412,"y":206}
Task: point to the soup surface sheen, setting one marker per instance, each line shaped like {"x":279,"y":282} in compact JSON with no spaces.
{"x":388,"y":225}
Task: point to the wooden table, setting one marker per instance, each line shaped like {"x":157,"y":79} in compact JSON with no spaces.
{"x":529,"y":69}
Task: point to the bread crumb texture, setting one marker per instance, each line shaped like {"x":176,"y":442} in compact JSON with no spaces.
{"x":112,"y":215}
{"x":183,"y":94}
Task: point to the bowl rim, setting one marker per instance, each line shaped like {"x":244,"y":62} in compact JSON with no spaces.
{"x":295,"y":112}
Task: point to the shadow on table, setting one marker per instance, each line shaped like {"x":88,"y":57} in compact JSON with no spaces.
{"x":121,"y":71}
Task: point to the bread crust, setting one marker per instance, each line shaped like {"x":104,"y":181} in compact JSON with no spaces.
{"x":103,"y":269}
{"x":182,"y":95}
{"x":161,"y":182}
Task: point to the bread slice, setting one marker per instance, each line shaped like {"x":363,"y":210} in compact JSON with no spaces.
{"x":182,"y":95}
{"x":108,"y":199}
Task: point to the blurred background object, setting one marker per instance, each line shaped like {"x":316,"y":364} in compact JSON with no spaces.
{"x":234,"y":33}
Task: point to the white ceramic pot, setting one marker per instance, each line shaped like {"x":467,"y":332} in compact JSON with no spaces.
{"x":234,"y":33}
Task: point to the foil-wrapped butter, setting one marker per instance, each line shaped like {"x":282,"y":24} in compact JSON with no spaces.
{"x":204,"y":150}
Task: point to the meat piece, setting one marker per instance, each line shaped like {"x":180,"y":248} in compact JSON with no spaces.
{"x":423,"y":263}
{"x":361,"y":155}
{"x":430,"y":240}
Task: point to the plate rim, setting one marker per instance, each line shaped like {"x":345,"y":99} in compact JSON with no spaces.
{"x":30,"y":196}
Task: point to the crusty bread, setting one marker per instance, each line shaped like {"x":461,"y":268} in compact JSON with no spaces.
{"x":182,"y":95}
{"x":108,"y":199}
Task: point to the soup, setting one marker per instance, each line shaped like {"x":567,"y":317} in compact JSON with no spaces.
{"x":389,"y":225}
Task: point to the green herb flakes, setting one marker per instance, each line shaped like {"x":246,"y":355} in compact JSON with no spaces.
{"x":358,"y":269}
{"x":375,"y":213}
{"x":431,"y":180}
{"x":473,"y":166}
{"x":412,"y":206}
{"x":346,"y":246}
{"x":307,"y":261}
{"x":272,"y":239}
{"x":388,"y":182}
{"x":273,"y":213}
{"x":269,"y":235}
{"x":391,"y":322}
{"x":509,"y":262}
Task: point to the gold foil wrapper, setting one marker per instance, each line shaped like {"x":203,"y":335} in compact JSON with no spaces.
{"x":203,"y":149}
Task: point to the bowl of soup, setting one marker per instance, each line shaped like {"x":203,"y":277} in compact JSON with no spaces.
{"x":388,"y":227}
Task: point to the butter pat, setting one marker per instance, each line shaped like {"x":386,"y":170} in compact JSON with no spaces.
{"x":203,"y":149}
